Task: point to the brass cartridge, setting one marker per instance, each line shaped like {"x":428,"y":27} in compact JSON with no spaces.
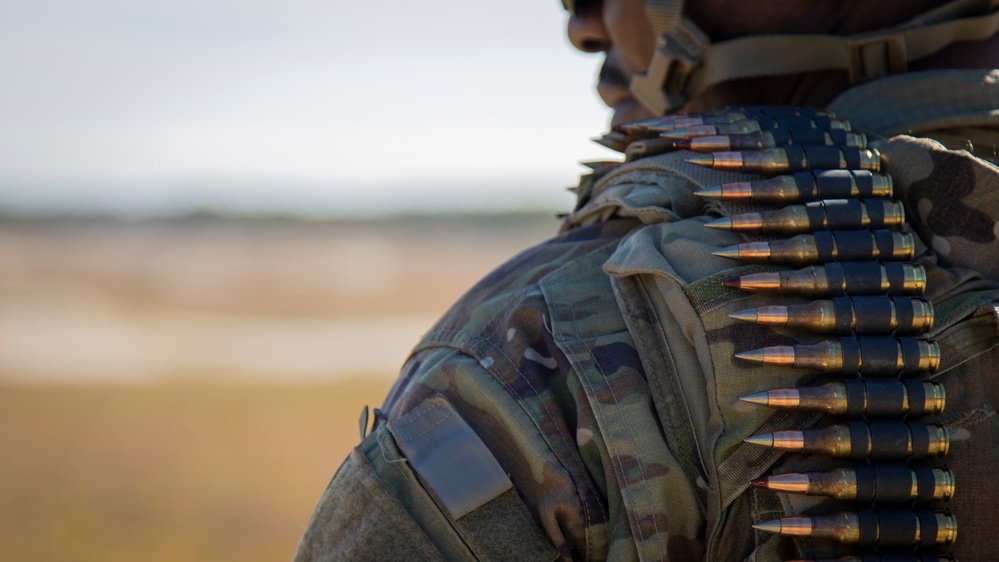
{"x":871,"y":527}
{"x":694,"y":131}
{"x":826,"y":246}
{"x":772,"y":139}
{"x":828,"y":214}
{"x":810,"y":185}
{"x":876,"y":356}
{"x":838,"y":279}
{"x":859,"y":397}
{"x":846,"y":315}
{"x":876,"y":440}
{"x":794,"y":158}
{"x":888,"y":483}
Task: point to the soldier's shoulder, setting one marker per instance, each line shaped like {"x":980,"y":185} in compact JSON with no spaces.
{"x":515,"y":284}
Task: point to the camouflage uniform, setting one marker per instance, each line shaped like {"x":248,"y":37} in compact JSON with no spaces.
{"x":597,"y":368}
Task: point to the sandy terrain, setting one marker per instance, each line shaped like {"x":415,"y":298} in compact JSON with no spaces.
{"x":196,"y":299}
{"x":184,"y":390}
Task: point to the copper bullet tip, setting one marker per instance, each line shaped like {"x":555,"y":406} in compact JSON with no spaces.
{"x":702,"y":160}
{"x":732,"y":252}
{"x":761,"y":398}
{"x":759,"y":482}
{"x":769,"y":526}
{"x":724,"y":223}
{"x":764,"y":440}
{"x":748,"y":315}
{"x":710,"y":192}
{"x":733,"y":283}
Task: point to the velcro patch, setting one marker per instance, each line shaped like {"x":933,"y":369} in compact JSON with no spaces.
{"x":444,"y":450}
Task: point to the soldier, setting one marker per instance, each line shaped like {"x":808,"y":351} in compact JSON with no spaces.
{"x":587,"y":399}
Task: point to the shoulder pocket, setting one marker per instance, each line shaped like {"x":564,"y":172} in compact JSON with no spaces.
{"x":423,"y":487}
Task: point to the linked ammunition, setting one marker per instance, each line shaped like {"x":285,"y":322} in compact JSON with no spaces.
{"x":886,"y":557}
{"x":810,"y":185}
{"x":859,"y":397}
{"x":826,"y":246}
{"x":828,"y":214}
{"x":794,"y":158}
{"x":886,"y":483}
{"x":773,"y":139}
{"x":733,"y":114}
{"x":764,"y":122}
{"x":846,"y":315}
{"x":876,"y":440}
{"x":838,"y":279}
{"x":779,"y":111}
{"x":694,"y":131}
{"x":648,"y":147}
{"x":871,"y":527}
{"x":873,"y":356}
{"x":639,"y":127}
{"x":614,"y":141}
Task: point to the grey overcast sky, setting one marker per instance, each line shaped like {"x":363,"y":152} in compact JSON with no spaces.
{"x":328,"y":107}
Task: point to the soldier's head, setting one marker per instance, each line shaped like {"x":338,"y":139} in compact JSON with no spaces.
{"x":715,"y":55}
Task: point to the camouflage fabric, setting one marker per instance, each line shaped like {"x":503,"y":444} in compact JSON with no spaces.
{"x":597,"y":368}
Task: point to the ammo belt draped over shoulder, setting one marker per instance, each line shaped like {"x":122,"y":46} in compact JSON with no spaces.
{"x":824,"y":206}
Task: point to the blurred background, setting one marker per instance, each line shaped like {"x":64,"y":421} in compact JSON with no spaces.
{"x":222,"y":226}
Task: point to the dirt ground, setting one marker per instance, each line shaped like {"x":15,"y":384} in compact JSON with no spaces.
{"x":185,"y":389}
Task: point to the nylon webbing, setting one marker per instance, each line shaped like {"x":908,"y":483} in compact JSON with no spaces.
{"x":756,"y":56}
{"x":664,"y":14}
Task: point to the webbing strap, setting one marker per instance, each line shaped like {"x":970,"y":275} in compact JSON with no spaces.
{"x":866,"y":56}
{"x":686,"y":64}
{"x":664,"y":14}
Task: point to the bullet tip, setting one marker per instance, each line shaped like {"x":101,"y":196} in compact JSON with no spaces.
{"x":733,"y":283}
{"x":764,"y":440}
{"x":757,"y":355}
{"x":769,"y":526}
{"x":724,"y":223}
{"x":702,"y":160}
{"x":748,"y":315}
{"x":761,"y":398}
{"x":683,"y":144}
{"x":674,"y":134}
{"x":732,"y":252}
{"x":759,"y":482}
{"x":710,"y":192}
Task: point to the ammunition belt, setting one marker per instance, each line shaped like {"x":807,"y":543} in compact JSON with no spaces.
{"x":836,"y":213}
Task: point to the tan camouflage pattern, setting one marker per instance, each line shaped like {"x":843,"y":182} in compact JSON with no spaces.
{"x":598,"y":369}
{"x":952,"y":201}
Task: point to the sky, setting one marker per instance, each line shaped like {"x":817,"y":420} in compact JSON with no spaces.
{"x":335,"y":108}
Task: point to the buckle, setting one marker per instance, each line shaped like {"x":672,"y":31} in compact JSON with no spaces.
{"x":662,"y":88}
{"x":876,"y":57}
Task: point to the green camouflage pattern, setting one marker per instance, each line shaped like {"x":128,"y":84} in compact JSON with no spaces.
{"x":598,"y":368}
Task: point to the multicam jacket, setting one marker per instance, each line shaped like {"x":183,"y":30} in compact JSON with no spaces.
{"x":581,"y":401}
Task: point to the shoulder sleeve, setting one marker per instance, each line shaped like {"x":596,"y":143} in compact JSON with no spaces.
{"x":423,"y":487}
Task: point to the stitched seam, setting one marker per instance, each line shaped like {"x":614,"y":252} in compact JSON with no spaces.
{"x":547,"y":410}
{"x":620,"y":469}
{"x":415,"y":438}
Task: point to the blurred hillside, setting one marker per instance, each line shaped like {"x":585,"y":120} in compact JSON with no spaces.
{"x":184,"y":389}
{"x":211,"y":298}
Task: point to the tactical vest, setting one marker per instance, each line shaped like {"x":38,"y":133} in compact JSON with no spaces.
{"x":670,"y":286}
